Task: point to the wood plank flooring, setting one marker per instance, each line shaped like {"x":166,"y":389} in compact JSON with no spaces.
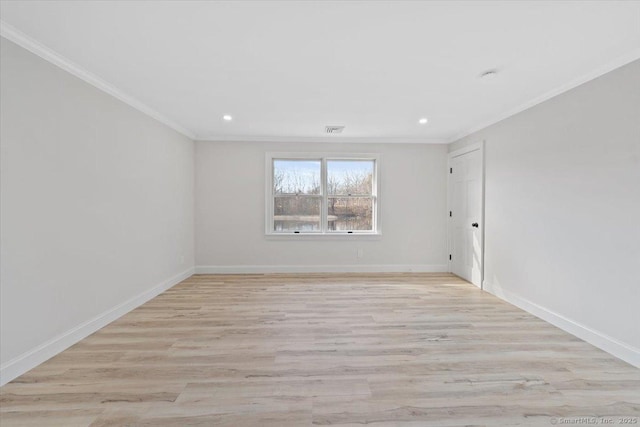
{"x":348,"y":350}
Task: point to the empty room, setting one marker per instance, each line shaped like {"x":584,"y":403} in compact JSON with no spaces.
{"x":297,"y":213}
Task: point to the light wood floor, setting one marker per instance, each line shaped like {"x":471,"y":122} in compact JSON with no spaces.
{"x":298,"y":350}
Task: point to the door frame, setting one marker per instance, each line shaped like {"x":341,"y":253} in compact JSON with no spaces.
{"x":450,"y":156}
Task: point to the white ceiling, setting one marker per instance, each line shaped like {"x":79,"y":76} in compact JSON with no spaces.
{"x":286,"y":69}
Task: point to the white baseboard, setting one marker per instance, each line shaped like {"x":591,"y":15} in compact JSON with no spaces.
{"x":357,"y":268}
{"x":32,"y":358}
{"x":604,"y":342}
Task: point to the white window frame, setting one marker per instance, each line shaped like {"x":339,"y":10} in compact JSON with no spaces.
{"x":324,"y":232}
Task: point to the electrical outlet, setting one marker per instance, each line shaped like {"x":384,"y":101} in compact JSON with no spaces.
{"x":360,"y":253}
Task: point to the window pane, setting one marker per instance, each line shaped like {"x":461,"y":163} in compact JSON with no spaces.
{"x":296,"y":176}
{"x":350,"y":214}
{"x":347,"y":177}
{"x":298,"y":213}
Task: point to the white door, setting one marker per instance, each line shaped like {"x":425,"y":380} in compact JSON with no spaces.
{"x":466,"y":222}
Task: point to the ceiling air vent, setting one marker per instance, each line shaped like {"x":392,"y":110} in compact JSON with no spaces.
{"x":334,"y":129}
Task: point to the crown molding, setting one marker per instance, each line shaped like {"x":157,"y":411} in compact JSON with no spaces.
{"x":616,"y":63}
{"x":324,"y":139}
{"x":16,"y":36}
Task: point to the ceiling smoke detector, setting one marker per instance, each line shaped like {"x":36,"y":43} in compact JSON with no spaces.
{"x":489,"y":74}
{"x":334,"y":129}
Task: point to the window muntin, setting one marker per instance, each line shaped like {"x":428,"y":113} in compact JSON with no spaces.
{"x":327,"y":195}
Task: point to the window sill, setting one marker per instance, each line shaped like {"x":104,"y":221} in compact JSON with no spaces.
{"x":327,"y":236}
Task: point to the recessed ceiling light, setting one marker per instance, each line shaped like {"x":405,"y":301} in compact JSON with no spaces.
{"x":227,"y":118}
{"x":489,"y":74}
{"x":423,"y":121}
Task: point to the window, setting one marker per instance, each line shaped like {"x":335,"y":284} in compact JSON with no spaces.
{"x":322,"y":195}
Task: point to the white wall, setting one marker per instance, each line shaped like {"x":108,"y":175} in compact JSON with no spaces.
{"x":96,"y":209}
{"x":563,"y":210}
{"x":230,"y":200}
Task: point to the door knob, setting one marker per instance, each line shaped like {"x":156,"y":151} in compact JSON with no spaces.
{"x":475,"y":224}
